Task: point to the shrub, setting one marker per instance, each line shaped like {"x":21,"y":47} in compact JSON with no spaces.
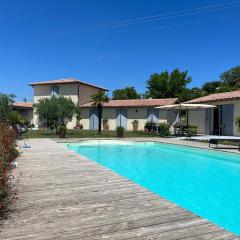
{"x":191,"y":131}
{"x":120,"y":131}
{"x":238,"y":123}
{"x":150,"y":126}
{"x":8,"y":153}
{"x":164,"y":129}
{"x":62,"y":131}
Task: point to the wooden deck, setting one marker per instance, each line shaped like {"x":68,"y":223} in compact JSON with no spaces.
{"x":65,"y":196}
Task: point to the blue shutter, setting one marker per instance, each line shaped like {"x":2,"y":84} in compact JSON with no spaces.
{"x":93,"y":119}
{"x":153,"y":115}
{"x":118,"y":117}
{"x":54,"y":90}
{"x":121,"y":117}
{"x":149,"y":115}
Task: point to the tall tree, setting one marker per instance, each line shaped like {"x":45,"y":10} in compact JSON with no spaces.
{"x":125,"y":93}
{"x":5,"y":105}
{"x":99,"y":99}
{"x":231,"y":78}
{"x":165,"y":84}
{"x":211,"y":87}
{"x":190,"y":93}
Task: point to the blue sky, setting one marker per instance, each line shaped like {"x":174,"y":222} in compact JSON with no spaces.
{"x":44,"y":40}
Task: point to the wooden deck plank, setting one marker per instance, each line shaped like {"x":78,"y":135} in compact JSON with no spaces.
{"x":65,"y":196}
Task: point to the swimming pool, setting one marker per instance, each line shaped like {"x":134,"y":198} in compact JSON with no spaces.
{"x":202,"y":181}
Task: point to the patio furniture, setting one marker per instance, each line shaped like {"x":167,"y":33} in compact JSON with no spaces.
{"x":187,"y":107}
{"x":216,"y":140}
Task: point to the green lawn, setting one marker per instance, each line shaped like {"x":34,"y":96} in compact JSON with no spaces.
{"x":84,"y":134}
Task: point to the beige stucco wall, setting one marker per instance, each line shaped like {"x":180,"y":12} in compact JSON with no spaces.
{"x":85,"y":93}
{"x":85,"y":118}
{"x":66,"y":90}
{"x":198,"y":117}
{"x":139,"y":114}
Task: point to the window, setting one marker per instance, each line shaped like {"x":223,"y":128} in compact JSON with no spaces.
{"x":54,"y":90}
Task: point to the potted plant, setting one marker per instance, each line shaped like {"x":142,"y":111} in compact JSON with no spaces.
{"x":62,"y":131}
{"x":105,"y":124}
{"x":120,"y":131}
{"x":135,"y":125}
{"x":150,"y":126}
{"x":191,"y":131}
{"x":79,"y":126}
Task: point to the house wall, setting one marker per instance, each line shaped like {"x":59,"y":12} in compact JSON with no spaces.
{"x":198,"y":117}
{"x":138,"y":113}
{"x":79,"y":93}
{"x":85,"y":93}
{"x":236,"y":113}
{"x":66,"y":90}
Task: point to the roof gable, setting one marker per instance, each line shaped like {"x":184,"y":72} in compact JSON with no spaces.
{"x":23,"y":104}
{"x":66,"y":81}
{"x":225,"y":96}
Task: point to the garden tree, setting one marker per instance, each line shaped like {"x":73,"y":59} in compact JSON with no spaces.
{"x":231,"y":78}
{"x":211,"y":87}
{"x":99,"y":99}
{"x":16,"y":118}
{"x":167,"y":85}
{"x":56,"y":111}
{"x":66,"y":110}
{"x":5,"y":105}
{"x":46,"y":110}
{"x":125,"y":93}
{"x":190,"y":93}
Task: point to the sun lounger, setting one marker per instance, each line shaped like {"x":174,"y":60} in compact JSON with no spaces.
{"x":216,"y":140}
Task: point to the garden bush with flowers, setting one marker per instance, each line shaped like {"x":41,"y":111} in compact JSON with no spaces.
{"x":8,"y":154}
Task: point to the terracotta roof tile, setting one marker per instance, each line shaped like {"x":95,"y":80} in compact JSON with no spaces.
{"x":225,"y":96}
{"x":64,"y":81}
{"x":23,"y":104}
{"x":136,"y":103}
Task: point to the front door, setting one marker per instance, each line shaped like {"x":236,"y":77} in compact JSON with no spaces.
{"x":93,"y":119}
{"x":121,"y":117}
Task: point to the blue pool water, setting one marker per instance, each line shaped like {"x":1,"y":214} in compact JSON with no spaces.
{"x":202,"y":181}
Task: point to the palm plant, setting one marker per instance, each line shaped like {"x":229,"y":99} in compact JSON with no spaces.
{"x":99,"y":99}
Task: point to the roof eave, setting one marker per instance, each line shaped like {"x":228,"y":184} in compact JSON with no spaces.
{"x":73,"y":82}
